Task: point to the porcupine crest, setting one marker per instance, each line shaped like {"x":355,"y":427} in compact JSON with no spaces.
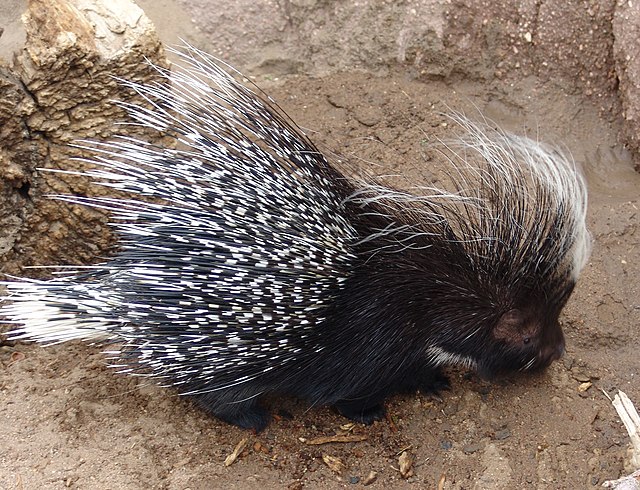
{"x":261,"y":269}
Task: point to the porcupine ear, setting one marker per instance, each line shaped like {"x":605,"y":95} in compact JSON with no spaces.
{"x":513,"y":328}
{"x":507,"y":323}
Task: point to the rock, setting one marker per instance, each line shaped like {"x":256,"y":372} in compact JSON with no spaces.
{"x":58,"y":89}
{"x":626,"y":30}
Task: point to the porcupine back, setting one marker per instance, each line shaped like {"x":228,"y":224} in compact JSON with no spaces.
{"x":246,"y":238}
{"x":259,"y":268}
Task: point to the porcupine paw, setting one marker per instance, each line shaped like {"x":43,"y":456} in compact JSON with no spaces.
{"x":245,"y":415}
{"x":433,"y":383}
{"x":355,"y":411}
{"x":430,"y":381}
{"x":255,"y":419}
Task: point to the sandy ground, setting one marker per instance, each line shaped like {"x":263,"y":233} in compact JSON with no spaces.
{"x":68,"y":422}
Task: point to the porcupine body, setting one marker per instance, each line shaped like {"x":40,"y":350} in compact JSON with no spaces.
{"x":257,"y":268}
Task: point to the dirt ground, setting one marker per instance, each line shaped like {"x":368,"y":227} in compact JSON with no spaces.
{"x":68,"y":422}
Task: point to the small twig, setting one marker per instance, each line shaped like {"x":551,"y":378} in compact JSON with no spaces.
{"x":229,"y":460}
{"x":337,"y":438}
{"x":631,"y":420}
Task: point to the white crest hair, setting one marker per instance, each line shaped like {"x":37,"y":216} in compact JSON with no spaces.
{"x":499,"y":189}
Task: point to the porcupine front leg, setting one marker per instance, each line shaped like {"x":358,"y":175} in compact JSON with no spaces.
{"x":364,"y":410}
{"x":429,"y":380}
{"x":247,"y":414}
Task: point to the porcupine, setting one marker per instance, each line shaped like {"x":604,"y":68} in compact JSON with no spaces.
{"x":258,"y":268}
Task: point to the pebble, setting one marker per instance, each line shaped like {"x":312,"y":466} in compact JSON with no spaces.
{"x":502,"y":434}
{"x":450,"y":409}
{"x":472,"y":448}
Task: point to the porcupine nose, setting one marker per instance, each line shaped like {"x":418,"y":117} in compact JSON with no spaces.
{"x":552,"y":352}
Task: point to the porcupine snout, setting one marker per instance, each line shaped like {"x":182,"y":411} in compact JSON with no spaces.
{"x":549,"y":348}
{"x":552,"y":347}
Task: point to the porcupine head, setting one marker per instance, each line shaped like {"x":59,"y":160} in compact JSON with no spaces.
{"x":258,"y":268}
